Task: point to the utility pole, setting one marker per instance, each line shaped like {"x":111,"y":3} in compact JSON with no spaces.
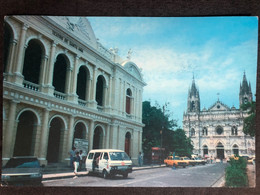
{"x":161,"y":137}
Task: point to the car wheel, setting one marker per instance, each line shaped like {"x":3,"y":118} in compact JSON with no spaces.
{"x":125,"y":175}
{"x":105,"y":174}
{"x":184,"y":166}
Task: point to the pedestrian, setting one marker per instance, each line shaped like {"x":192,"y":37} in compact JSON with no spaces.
{"x":140,"y":159}
{"x":76,"y":164}
{"x":81,"y":159}
{"x":72,"y":154}
{"x":211,"y":159}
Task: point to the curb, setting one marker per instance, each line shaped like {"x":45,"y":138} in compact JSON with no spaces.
{"x":52,"y":176}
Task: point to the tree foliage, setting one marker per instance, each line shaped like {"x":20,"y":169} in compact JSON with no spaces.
{"x":157,"y":120}
{"x":249,"y":127}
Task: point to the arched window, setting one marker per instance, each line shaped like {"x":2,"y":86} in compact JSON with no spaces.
{"x":100,"y":90}
{"x":234,"y":130}
{"x":204,"y":131}
{"x":128,"y":101}
{"x":32,"y":62}
{"x":7,"y":40}
{"x":82,"y":83}
{"x":60,"y":71}
{"x":192,"y":132}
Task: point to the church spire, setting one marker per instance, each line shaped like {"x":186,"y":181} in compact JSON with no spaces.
{"x":245,"y":93}
{"x":193,"y":104}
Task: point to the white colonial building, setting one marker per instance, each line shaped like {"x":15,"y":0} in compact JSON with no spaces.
{"x":218,"y":131}
{"x":61,"y":84}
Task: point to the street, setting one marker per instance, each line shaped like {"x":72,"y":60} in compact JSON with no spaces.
{"x":197,"y":176}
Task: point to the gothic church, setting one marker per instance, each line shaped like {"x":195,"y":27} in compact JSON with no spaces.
{"x":218,"y":131}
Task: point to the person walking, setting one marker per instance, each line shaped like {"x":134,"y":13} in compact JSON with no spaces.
{"x":72,"y":154}
{"x":140,"y":159}
{"x":81,"y":159}
{"x":76,"y":165}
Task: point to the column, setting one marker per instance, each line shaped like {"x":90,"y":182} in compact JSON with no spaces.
{"x":93,"y":103}
{"x":113,"y":136}
{"x":90,"y":135}
{"x":49,"y":75}
{"x":107,"y":135}
{"x":43,"y":73}
{"x":70,"y":132}
{"x":68,"y":81}
{"x":10,"y":132}
{"x":20,"y":56}
{"x":10,"y":62}
{"x":73,"y":85}
{"x":44,"y":137}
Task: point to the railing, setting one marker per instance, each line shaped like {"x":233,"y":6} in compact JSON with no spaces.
{"x":82,"y":102}
{"x":59,"y":95}
{"x":128,"y":115}
{"x":106,"y":52}
{"x":31,"y":86}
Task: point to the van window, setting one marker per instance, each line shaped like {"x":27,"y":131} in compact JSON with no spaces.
{"x":118,"y":156}
{"x":105,"y":156}
{"x":90,"y":156}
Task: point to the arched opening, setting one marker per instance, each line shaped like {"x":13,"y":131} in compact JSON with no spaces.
{"x":204,"y":131}
{"x":234,"y":130}
{"x":26,"y":134}
{"x":32,"y":62}
{"x":235,"y":150}
{"x":192,"y":132}
{"x":7,"y":41}
{"x":220,"y":151}
{"x":205,"y":150}
{"x":82,"y":83}
{"x":192,"y":106}
{"x":80,"y":131}
{"x":59,"y":74}
{"x":128,"y":101}
{"x":55,"y":143}
{"x":127,"y":143}
{"x":100,"y":90}
{"x":98,"y":138}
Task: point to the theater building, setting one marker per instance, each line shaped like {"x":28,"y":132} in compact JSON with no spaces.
{"x":61,"y":84}
{"x":218,"y":130}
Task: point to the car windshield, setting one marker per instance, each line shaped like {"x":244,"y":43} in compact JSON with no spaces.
{"x":118,"y":156}
{"x":176,"y":158}
{"x":186,"y":158}
{"x":22,"y":163}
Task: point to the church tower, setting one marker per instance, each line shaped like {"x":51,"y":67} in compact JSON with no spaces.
{"x":193,"y":98}
{"x":245,"y":94}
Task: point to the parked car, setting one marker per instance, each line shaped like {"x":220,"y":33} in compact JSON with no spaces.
{"x":189,"y":161}
{"x":108,"y":162}
{"x":251,"y":160}
{"x":175,"y":161}
{"x":23,"y":170}
{"x":199,"y":161}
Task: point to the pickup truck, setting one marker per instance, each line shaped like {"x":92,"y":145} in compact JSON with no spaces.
{"x":189,"y":161}
{"x":176,"y":161}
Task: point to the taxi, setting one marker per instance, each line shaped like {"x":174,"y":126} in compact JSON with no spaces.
{"x":175,"y":161}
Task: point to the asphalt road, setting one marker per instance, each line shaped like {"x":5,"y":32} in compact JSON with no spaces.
{"x":197,"y":176}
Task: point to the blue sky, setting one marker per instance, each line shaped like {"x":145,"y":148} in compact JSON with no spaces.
{"x":170,"y":49}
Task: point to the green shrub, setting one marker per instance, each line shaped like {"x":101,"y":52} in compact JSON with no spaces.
{"x":236,"y":175}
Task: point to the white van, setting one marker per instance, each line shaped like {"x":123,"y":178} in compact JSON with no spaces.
{"x":109,"y":162}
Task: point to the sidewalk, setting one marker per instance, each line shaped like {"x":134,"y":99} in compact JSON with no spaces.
{"x":251,"y":175}
{"x":84,"y":173}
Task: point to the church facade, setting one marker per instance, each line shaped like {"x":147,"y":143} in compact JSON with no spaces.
{"x":218,"y":130}
{"x":60,"y":84}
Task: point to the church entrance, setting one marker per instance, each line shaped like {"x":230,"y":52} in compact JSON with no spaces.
{"x":220,"y":151}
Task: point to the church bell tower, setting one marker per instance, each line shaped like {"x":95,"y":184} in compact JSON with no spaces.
{"x":245,"y":94}
{"x":193,"y":98}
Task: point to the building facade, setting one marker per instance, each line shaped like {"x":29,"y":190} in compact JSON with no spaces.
{"x":59,"y":84}
{"x":218,"y":131}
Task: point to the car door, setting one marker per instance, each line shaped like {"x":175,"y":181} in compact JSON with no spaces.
{"x":89,"y":161}
{"x":103,"y":161}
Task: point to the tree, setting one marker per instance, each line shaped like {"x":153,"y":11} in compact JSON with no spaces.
{"x":156,"y":119}
{"x":181,"y":143}
{"x":249,"y":127}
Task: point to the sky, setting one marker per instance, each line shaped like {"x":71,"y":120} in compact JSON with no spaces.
{"x":170,"y":50}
